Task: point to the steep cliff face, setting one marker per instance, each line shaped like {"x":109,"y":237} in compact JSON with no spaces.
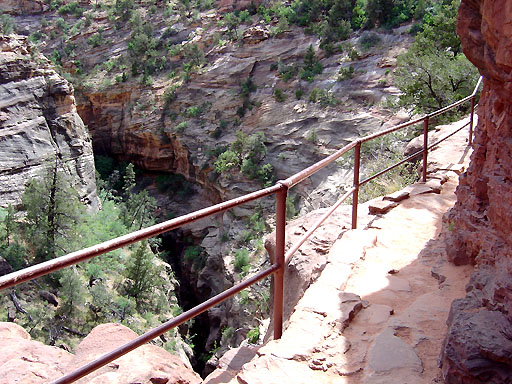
{"x":39,"y":123}
{"x":478,"y":347}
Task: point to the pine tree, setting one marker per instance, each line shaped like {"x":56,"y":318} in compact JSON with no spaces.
{"x":53,"y":210}
{"x":141,"y":272}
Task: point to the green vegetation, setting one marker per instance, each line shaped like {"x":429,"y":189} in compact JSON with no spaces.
{"x":125,"y":285}
{"x":247,"y":153}
{"x":241,"y":260}
{"x":434,"y":72}
{"x":6,"y":24}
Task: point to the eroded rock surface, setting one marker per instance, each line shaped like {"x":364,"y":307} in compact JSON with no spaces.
{"x":477,"y":347}
{"x":26,"y":361}
{"x":38,"y":124}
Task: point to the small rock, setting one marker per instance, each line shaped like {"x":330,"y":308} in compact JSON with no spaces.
{"x":393,"y":271}
{"x":381,"y":207}
{"x":397,"y":196}
{"x":49,"y":297}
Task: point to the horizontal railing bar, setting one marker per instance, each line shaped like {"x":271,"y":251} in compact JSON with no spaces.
{"x":56,"y":264}
{"x":409,"y":158}
{"x":317,"y":224}
{"x":391,"y":130}
{"x":390,"y":168}
{"x":447,"y":137}
{"x":304,"y":174}
{"x":165,"y":327}
{"x":453,"y":105}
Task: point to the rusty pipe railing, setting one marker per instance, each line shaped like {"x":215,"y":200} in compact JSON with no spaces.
{"x":281,"y":259}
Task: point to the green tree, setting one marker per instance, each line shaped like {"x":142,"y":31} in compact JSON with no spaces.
{"x":53,"y":211}
{"x":124,"y":9}
{"x":10,"y":247}
{"x":141,"y":272}
{"x":72,"y":293}
{"x":138,"y":207}
{"x":434,"y":72}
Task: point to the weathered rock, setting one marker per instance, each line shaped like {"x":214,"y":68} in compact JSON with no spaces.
{"x":478,"y":348}
{"x":389,"y":353}
{"x":379,"y":207}
{"x":309,"y":261}
{"x":49,"y":297}
{"x":5,"y":267}
{"x":23,"y":360}
{"x":23,"y":7}
{"x":148,"y":363}
{"x":39,"y":123}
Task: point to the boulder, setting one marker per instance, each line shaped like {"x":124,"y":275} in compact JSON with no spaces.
{"x":146,"y":364}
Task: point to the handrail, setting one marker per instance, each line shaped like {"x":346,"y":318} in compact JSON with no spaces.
{"x":280,"y":189}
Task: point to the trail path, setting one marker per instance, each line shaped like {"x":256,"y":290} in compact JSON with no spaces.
{"x":377,"y":313}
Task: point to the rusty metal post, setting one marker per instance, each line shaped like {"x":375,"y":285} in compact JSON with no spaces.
{"x":425,"y":148}
{"x":471,"y":121}
{"x":279,"y":260}
{"x":355,"y":195}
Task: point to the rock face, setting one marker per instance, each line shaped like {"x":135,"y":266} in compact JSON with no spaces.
{"x":478,"y":347}
{"x":39,"y":124}
{"x":26,"y":361}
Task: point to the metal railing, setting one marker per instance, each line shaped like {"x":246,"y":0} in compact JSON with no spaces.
{"x":280,"y":189}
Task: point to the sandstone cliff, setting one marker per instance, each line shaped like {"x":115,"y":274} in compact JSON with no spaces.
{"x":39,"y":123}
{"x":478,"y":347}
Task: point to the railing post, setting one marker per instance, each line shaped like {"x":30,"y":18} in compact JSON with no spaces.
{"x":279,"y":259}
{"x":425,"y":148}
{"x":355,"y":195}
{"x":471,"y":121}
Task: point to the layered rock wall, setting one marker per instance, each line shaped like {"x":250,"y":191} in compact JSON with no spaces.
{"x":478,"y":346}
{"x":38,"y":124}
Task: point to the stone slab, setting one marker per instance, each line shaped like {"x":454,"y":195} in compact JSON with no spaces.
{"x":389,"y":353}
{"x":380,"y":207}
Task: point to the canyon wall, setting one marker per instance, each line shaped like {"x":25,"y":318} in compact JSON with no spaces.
{"x":39,"y":124}
{"x":478,"y":346}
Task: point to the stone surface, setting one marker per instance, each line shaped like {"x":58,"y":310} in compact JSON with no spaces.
{"x":397,"y":196}
{"x":148,"y":363}
{"x":379,"y":207}
{"x":39,"y":123}
{"x":480,"y":223}
{"x":5,"y":267}
{"x":23,"y":360}
{"x":389,"y":353}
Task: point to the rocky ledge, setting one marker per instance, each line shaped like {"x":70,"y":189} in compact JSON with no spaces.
{"x":39,"y":124}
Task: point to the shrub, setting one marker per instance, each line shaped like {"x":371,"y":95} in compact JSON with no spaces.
{"x":6,"y":24}
{"x":241,"y":259}
{"x":226,"y":161}
{"x":181,"y":127}
{"x":192,"y":252}
{"x":323,"y":97}
{"x":95,"y":40}
{"x":253,"y":335}
{"x":346,"y":73}
{"x":369,"y":39}
{"x":298,"y":93}
{"x":193,"y":111}
{"x":62,"y":25}
{"x":71,"y":9}
{"x":279,"y":95}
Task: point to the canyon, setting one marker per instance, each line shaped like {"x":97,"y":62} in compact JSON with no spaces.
{"x":139,"y":123}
